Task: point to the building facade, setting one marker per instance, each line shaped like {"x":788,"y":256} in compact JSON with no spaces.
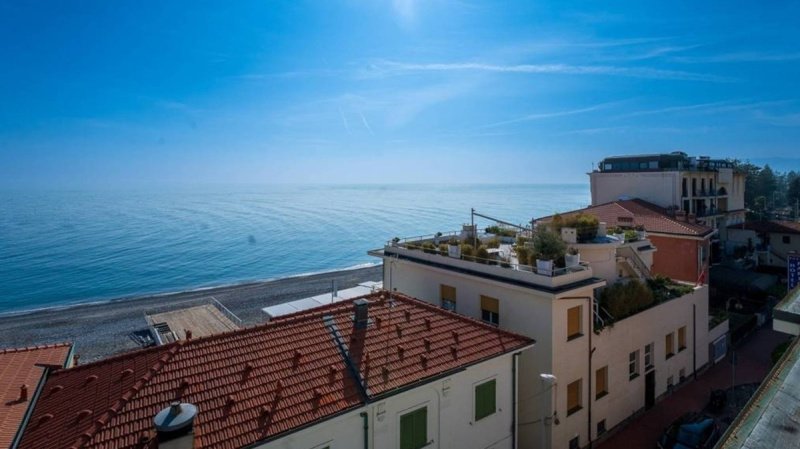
{"x":706,"y":190}
{"x":589,"y":372}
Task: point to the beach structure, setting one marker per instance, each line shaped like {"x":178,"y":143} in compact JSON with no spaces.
{"x":769,"y":420}
{"x":612,"y":339}
{"x":684,"y":246}
{"x":770,"y":241}
{"x":170,"y":323}
{"x":22,"y":375}
{"x":336,"y":295}
{"x":705,"y":190}
{"x":380,"y":370}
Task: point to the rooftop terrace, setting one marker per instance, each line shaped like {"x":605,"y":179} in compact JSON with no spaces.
{"x":497,"y":256}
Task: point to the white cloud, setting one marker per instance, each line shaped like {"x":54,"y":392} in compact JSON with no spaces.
{"x":394,"y":68}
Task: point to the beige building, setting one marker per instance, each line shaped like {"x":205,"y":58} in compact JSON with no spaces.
{"x":708,"y":190}
{"x":589,"y":371}
{"x":771,"y":241}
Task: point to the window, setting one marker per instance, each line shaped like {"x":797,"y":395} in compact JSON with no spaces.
{"x":669,"y":347}
{"x":601,"y":382}
{"x":448,"y":296}
{"x":648,"y":356}
{"x":633,"y":365}
{"x":574,"y":316}
{"x":601,"y":427}
{"x":787,"y":239}
{"x":682,"y":374}
{"x":670,"y":382}
{"x":485,"y":399}
{"x":575,"y":443}
{"x":694,"y":187}
{"x":574,"y":397}
{"x":490,"y":310}
{"x":681,"y":338}
{"x":414,"y":429}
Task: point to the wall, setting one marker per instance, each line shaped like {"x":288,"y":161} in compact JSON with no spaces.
{"x":614,"y":345}
{"x":450,"y":403}
{"x":783,"y":249}
{"x":677,"y":257}
{"x":662,"y":188}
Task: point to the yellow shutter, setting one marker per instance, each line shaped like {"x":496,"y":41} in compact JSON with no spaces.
{"x":490,"y":304}
{"x":574,"y":321}
{"x":574,"y":395}
{"x":448,"y":293}
{"x":601,"y":384}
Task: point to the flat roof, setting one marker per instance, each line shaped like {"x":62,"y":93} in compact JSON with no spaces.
{"x":300,"y":305}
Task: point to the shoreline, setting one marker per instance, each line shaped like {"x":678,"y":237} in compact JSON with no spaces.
{"x":102,"y":328}
{"x":152,"y":295}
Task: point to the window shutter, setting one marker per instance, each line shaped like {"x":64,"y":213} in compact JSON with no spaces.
{"x":448,"y":293}
{"x":490,"y":304}
{"x":574,"y":321}
{"x":414,"y":429}
{"x":485,"y":399}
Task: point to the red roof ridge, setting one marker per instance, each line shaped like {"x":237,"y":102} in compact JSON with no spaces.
{"x":114,"y":358}
{"x":33,"y":348}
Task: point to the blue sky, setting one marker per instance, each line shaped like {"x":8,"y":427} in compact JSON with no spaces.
{"x":139,"y":93}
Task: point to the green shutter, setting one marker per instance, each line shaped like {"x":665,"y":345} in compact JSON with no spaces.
{"x":414,"y":429}
{"x":485,"y":399}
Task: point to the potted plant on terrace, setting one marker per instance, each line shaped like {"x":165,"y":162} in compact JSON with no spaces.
{"x":548,"y":248}
{"x":586,"y":226}
{"x":618,"y":233}
{"x":641,"y":232}
{"x":454,"y":248}
{"x":631,"y":235}
{"x":572,"y":258}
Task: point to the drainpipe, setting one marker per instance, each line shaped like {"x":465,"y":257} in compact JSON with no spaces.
{"x":591,"y":354}
{"x":694,"y":341}
{"x":365,"y":418}
{"x":514,"y":411}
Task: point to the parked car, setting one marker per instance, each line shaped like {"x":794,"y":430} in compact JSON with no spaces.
{"x":691,"y":431}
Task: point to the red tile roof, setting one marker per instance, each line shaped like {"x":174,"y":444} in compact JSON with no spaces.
{"x":775,"y":226}
{"x":634,"y":212}
{"x":258,"y":383}
{"x":17,"y":368}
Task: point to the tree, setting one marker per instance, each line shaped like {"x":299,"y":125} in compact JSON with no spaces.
{"x":793,"y":193}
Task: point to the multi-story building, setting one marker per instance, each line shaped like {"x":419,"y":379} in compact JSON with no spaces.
{"x":684,"y":247}
{"x":590,"y":371}
{"x":379,"y":371}
{"x":772,"y":242}
{"x":710,"y":191}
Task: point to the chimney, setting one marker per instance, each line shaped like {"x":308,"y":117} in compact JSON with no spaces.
{"x":23,"y":393}
{"x":188,"y":333}
{"x":361,"y":310}
{"x":174,"y":426}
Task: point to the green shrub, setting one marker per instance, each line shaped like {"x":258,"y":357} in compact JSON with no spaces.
{"x":429,"y":248}
{"x":467,"y":251}
{"x":493,"y":243}
{"x":482,"y":254}
{"x":631,"y":235}
{"x":547,"y":245}
{"x":443,"y":249}
{"x":497,"y":230}
{"x":523,"y":255}
{"x":586,"y":226}
{"x":623,"y":299}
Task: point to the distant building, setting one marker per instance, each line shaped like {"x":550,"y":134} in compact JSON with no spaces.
{"x":590,"y":371}
{"x":377,"y":371}
{"x":21,"y":376}
{"x":771,"y":241}
{"x":709,"y":191}
{"x":684,"y":247}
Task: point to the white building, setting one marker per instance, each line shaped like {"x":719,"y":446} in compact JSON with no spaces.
{"x":709,"y":190}
{"x":586,"y":375}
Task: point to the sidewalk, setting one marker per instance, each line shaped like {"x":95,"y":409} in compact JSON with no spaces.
{"x":753,"y":364}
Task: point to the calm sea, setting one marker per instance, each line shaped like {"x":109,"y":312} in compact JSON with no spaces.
{"x":59,"y":248}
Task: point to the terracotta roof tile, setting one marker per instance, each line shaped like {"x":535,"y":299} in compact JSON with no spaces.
{"x":774,"y":226}
{"x":634,"y":212}
{"x":257,"y":383}
{"x":17,"y":368}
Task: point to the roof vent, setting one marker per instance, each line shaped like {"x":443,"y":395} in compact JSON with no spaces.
{"x":361,"y":310}
{"x":174,"y":426}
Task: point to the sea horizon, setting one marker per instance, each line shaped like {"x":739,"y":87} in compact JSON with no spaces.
{"x":68,"y":247}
